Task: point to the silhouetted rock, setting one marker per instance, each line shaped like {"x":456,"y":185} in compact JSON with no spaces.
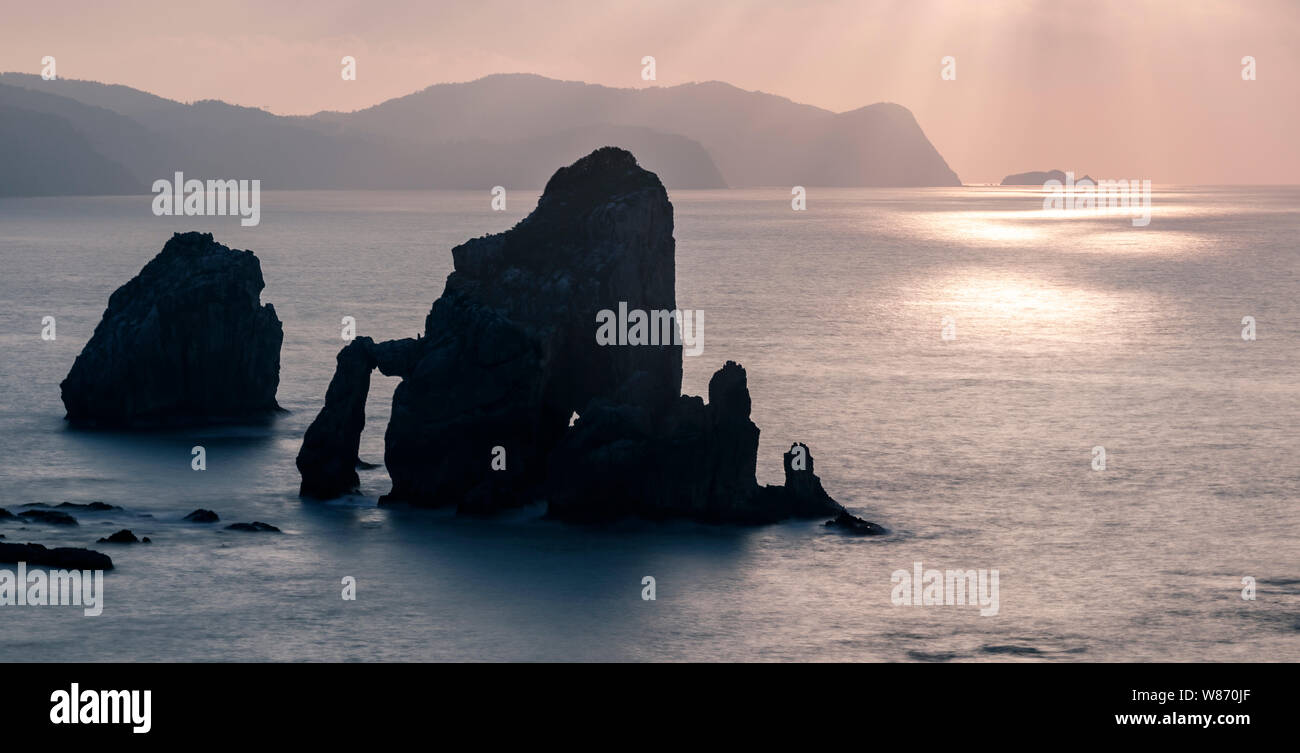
{"x":121,"y":537}
{"x":201,"y":516}
{"x":90,"y":507}
{"x":68,"y":558}
{"x":1038,"y":178}
{"x":328,"y":459}
{"x":6,"y":515}
{"x":87,"y":507}
{"x":254,"y":527}
{"x":146,"y":540}
{"x":53,"y":517}
{"x":853,"y":524}
{"x":185,"y":342}
{"x":510,"y":353}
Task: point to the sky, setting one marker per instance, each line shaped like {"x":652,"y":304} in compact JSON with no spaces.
{"x":1133,"y":89}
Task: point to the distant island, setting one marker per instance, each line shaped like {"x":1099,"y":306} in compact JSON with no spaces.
{"x":68,"y":137}
{"x":1037,"y":178}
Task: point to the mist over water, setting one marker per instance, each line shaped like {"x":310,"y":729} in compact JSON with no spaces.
{"x":1072,"y":331}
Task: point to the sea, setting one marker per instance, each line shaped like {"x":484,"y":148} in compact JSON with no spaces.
{"x":1104,"y":414}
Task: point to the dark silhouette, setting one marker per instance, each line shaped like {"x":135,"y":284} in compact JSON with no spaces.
{"x":510,"y":353}
{"x":69,"y":558}
{"x":185,"y":342}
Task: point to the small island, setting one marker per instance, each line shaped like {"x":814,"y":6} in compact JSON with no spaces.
{"x":1038,"y":178}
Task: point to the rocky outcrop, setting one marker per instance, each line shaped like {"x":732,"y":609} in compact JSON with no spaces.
{"x":510,"y":352}
{"x":256,"y":526}
{"x":86,"y":507}
{"x":328,"y":458}
{"x":201,"y":516}
{"x":184,"y":342}
{"x":52,"y":517}
{"x":62,"y":557}
{"x":123,"y":536}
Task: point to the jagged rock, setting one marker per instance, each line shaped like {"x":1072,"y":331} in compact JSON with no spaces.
{"x":6,"y":515}
{"x":510,"y":352}
{"x":850,"y":523}
{"x":68,"y":558}
{"x":121,"y":537}
{"x":52,"y":517}
{"x":201,"y":516}
{"x":254,"y":527}
{"x":328,"y":459}
{"x":185,"y":342}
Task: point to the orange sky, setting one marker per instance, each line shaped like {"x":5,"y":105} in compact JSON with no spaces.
{"x":1114,"y":88}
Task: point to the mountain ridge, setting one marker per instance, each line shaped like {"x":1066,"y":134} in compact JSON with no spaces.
{"x":501,"y":129}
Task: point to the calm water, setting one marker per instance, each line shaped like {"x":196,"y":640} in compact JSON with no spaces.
{"x":1071,"y":332}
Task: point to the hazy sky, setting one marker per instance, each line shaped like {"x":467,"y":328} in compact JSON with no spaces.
{"x":1122,"y":89}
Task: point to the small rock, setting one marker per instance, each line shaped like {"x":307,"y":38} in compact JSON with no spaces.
{"x":52,"y":517}
{"x":121,"y":537}
{"x":254,"y":527}
{"x":853,"y":524}
{"x":64,"y":557}
{"x":146,"y":540}
{"x":201,"y":516}
{"x":5,"y":514}
{"x":91,"y":507}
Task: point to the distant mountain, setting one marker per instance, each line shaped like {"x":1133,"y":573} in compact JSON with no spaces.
{"x":1037,"y":178}
{"x":43,"y":154}
{"x":505,"y":130}
{"x":755,"y":139}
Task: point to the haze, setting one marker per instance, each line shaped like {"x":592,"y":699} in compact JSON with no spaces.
{"x":1119,"y":89}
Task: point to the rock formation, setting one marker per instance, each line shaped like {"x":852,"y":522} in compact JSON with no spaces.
{"x":52,"y":517}
{"x":256,"y":526}
{"x":184,"y":342}
{"x":70,"y":558}
{"x":510,"y":352}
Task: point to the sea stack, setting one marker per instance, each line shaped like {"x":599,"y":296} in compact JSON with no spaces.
{"x":511,"y":351}
{"x":185,"y":342}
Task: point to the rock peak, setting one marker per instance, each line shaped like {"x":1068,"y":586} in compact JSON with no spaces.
{"x":185,"y":342}
{"x":512,"y":350}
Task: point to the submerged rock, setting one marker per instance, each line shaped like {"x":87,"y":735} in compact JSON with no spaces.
{"x":121,"y":537}
{"x":52,"y":517}
{"x":201,"y":516}
{"x":185,"y":342}
{"x":510,"y":352}
{"x":63,"y":557}
{"x":254,"y":527}
{"x":850,"y":523}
